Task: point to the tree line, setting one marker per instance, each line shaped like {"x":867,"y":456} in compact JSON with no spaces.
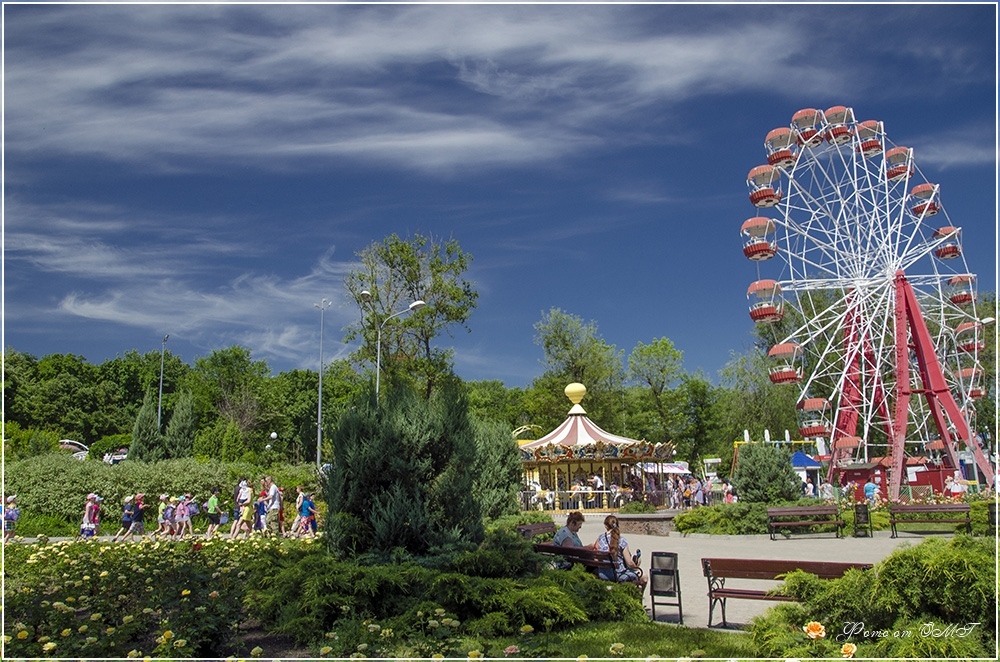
{"x":226,"y":404}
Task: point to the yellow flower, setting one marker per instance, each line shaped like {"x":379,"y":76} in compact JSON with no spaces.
{"x":82,"y":629}
{"x":127,"y":618}
{"x":474,"y":655}
{"x":49,"y":646}
{"x":848,"y":650}
{"x":109,"y":631}
{"x":617,"y":648}
{"x":104,"y":573}
{"x":66,"y":632}
{"x":180,"y":643}
{"x":256,"y":652}
{"x":133,"y":653}
{"x":325,"y":650}
{"x":96,"y":617}
{"x":527,"y":629}
{"x":437,"y":656}
{"x":169,"y":634}
{"x":814,"y":630}
{"x":186,"y":592}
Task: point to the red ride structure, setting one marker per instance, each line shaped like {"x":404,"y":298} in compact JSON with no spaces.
{"x":870,"y":305}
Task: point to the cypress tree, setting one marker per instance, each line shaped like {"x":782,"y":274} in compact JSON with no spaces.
{"x":147,"y":442}
{"x":179,"y":438}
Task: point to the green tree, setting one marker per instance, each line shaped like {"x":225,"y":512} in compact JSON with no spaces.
{"x":764,"y":474}
{"x":179,"y":437}
{"x":697,"y":433}
{"x":491,"y":400}
{"x":574,"y":351}
{"x":229,"y":384}
{"x":497,"y":472}
{"x":396,"y":272}
{"x":749,"y":401}
{"x":401,"y":475}
{"x":658,"y":367}
{"x":19,"y":444}
{"x":147,"y":442}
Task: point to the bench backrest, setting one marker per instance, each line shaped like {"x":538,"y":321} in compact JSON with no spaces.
{"x":591,"y":558}
{"x":803,"y":510}
{"x":773,"y":568}
{"x":930,"y":508}
{"x":539,"y":528}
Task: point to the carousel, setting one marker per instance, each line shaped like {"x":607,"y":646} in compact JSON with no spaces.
{"x":578,"y":465}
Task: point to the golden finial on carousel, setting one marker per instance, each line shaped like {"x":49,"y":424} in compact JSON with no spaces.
{"x":575,"y":393}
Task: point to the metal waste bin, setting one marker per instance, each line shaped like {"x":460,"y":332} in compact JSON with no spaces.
{"x":862,"y":521}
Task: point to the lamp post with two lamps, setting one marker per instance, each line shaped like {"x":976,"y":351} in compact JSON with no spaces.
{"x":322,"y":305}
{"x":159,"y":402}
{"x":366,"y":296}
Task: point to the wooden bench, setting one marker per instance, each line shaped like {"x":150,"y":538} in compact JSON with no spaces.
{"x":717,"y":571}
{"x":901,"y":514}
{"x":782,"y":518}
{"x":589,"y":558}
{"x":529,"y":531}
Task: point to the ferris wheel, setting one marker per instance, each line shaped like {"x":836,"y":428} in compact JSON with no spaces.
{"x":864,"y":288}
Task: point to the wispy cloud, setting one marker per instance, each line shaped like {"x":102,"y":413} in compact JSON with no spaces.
{"x":186,"y":86}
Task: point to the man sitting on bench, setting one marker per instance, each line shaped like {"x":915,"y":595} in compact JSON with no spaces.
{"x":625,"y":568}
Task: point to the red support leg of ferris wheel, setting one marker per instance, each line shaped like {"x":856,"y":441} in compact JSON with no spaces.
{"x":910,"y":326}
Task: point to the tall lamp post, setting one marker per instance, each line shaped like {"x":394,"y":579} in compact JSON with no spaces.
{"x":367,"y":297}
{"x":322,"y":305}
{"x":159,"y":402}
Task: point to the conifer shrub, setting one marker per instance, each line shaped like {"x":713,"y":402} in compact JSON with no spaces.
{"x":933,"y":600}
{"x":403,"y":476}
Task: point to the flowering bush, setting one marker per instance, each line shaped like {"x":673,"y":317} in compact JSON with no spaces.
{"x":93,"y":599}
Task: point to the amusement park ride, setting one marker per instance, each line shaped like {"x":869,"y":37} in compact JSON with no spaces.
{"x":870,"y":302}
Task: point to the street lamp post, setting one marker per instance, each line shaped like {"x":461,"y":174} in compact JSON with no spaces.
{"x":159,"y":402}
{"x":322,"y":305}
{"x":367,"y":297}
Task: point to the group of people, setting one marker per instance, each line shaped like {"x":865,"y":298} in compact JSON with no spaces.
{"x":611,"y":540}
{"x":265,"y":512}
{"x":262,"y":513}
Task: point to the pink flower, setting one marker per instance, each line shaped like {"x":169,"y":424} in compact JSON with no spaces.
{"x":511,"y":650}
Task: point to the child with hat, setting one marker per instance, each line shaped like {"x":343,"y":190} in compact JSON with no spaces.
{"x":10,"y":514}
{"x":128,"y":512}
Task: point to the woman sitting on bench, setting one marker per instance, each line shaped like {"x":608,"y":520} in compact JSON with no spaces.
{"x":625,"y":569}
{"x":568,"y":536}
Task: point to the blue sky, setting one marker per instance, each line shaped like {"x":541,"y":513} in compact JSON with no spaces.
{"x":209,"y":171}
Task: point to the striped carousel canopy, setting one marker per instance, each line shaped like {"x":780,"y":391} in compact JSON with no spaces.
{"x":578,"y":437}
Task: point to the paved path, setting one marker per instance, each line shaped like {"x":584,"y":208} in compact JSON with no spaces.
{"x":692,"y":547}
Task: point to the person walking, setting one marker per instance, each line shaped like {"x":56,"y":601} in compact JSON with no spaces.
{"x":11,"y":513}
{"x":299,"y":495}
{"x":88,"y":526}
{"x":272,"y":509}
{"x":214,"y":511}
{"x":138,"y":527}
{"x":307,"y":521}
{"x":128,"y":512}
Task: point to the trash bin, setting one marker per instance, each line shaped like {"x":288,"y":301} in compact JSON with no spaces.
{"x":862,"y":521}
